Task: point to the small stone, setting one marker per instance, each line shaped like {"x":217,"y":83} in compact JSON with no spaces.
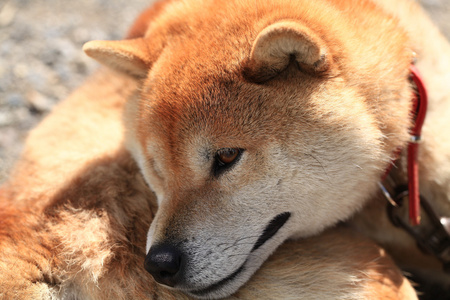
{"x":39,"y":103}
{"x":7,"y":14}
{"x":14,"y":100}
{"x":20,"y":70}
{"x":6,"y":118}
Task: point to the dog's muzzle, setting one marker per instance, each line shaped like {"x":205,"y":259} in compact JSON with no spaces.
{"x":167,"y":263}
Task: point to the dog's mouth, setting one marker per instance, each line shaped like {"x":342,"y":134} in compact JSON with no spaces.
{"x":216,"y":286}
{"x":271,"y":229}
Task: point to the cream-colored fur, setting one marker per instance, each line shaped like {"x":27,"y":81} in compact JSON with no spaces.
{"x":315,"y":99}
{"x":75,"y":211}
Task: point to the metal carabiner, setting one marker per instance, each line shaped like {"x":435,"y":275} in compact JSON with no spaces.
{"x":432,"y":235}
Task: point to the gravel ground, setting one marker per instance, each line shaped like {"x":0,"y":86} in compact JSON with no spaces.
{"x":41,"y":59}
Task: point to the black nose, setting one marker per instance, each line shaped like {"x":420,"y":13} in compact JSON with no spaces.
{"x":164,"y":263}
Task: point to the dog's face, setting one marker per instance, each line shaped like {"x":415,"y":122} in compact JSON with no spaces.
{"x":247,"y":137}
{"x":245,"y":167}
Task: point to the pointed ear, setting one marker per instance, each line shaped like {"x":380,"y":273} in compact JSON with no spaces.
{"x":129,"y":56}
{"x":279,"y":44}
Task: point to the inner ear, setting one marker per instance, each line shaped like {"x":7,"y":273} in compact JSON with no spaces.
{"x":279,"y":44}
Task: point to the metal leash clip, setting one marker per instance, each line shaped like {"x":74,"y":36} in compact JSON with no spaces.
{"x":433,"y":233}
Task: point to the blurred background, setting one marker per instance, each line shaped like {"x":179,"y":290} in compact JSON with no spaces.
{"x":41,"y":60}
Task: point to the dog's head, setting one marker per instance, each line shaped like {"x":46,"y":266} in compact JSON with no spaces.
{"x":253,"y":125}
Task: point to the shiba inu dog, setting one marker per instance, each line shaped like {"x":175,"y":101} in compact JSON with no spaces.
{"x":75,"y":209}
{"x":259,"y":121}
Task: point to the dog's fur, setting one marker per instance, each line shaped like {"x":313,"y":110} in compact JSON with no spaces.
{"x":316,"y":97}
{"x":433,"y":53}
{"x":75,"y":212}
{"x":206,"y":76}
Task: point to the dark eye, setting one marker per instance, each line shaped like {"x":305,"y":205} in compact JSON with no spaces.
{"x":227,"y":155}
{"x":225,"y":158}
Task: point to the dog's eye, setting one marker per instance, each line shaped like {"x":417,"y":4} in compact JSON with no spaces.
{"x":227,"y":155}
{"x":225,"y":158}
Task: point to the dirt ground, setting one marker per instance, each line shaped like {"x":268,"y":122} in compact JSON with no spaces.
{"x":41,"y":59}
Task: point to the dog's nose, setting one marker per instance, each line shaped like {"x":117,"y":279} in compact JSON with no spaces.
{"x":164,"y":263}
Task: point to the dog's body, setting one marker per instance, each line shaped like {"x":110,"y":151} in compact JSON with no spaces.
{"x":234,"y":171}
{"x":75,"y":209}
{"x":282,"y":114}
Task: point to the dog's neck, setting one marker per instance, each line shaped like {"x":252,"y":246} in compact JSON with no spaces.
{"x":433,"y":233}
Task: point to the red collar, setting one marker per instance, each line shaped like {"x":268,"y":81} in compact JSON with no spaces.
{"x":433,"y":234}
{"x":418,"y":112}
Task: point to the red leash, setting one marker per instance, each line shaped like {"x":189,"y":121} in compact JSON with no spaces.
{"x":432,"y":235}
{"x":420,"y":102}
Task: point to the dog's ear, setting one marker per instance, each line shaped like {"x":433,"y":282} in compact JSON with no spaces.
{"x":130,"y":56}
{"x":282,"y":43}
